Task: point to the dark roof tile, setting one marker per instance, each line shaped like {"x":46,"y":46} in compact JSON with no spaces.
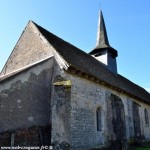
{"x":91,"y":66}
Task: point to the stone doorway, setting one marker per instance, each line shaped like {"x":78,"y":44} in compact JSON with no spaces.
{"x":118,"y":123}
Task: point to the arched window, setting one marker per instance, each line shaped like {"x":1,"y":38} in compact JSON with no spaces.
{"x":146,"y":116}
{"x":99,"y":119}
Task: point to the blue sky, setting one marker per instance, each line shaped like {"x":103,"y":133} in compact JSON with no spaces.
{"x":127,"y":23}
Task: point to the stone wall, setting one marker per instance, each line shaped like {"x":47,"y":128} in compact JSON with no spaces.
{"x":29,"y":49}
{"x":145,"y":126}
{"x":86,"y":97}
{"x":25,"y":98}
{"x":34,"y":136}
{"x":61,"y":108}
{"x":44,"y":94}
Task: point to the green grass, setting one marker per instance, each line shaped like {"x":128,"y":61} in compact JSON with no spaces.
{"x":139,"y":148}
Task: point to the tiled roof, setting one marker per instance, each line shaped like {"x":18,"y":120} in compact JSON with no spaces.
{"x":87,"y":64}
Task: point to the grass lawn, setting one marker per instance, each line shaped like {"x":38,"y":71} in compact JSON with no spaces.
{"x":145,"y":146}
{"x":139,"y":148}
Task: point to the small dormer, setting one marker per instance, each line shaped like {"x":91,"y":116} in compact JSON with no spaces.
{"x":103,"y":52}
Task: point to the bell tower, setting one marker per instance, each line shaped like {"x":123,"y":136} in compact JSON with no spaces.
{"x":103,"y":52}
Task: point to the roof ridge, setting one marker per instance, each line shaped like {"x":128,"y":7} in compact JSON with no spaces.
{"x":70,"y":44}
{"x":38,"y":26}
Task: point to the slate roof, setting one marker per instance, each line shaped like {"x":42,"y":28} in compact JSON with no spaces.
{"x":87,"y":64}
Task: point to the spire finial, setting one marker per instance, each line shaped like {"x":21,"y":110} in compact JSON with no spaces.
{"x":102,"y":39}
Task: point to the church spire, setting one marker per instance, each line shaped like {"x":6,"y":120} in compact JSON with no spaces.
{"x":102,"y":39}
{"x":103,"y":52}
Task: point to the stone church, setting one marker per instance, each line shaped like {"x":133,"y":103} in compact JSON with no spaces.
{"x":53,"y":92}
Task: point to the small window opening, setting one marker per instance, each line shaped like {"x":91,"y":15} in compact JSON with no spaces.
{"x":99,"y":119}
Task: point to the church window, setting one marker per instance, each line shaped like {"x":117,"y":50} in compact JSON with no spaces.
{"x":99,"y":119}
{"x":146,"y":116}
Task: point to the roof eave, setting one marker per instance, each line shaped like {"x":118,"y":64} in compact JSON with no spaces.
{"x":101,"y":49}
{"x":74,"y":70}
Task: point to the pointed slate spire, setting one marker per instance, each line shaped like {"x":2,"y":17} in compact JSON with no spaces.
{"x":102,"y":39}
{"x":102,"y":42}
{"x":103,"y":52}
